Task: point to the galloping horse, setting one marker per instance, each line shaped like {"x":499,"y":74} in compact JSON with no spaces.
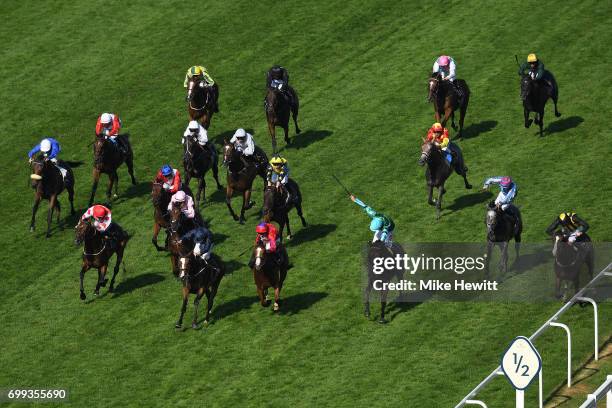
{"x":278,"y":107}
{"x":535,"y":94}
{"x":240,"y":176}
{"x":446,"y":101}
{"x":197,"y":160}
{"x":269,"y":273}
{"x":379,"y":250}
{"x":200,"y":101}
{"x":500,"y":230}
{"x":97,"y":251}
{"x":161,"y":198}
{"x":275,"y":206}
{"x":107,"y":159}
{"x":48,"y":183}
{"x":198,"y":277}
{"x":179,"y":226}
{"x":438,"y":170}
{"x":569,"y":260}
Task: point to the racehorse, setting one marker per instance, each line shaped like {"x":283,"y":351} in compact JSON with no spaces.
{"x":275,"y":206}
{"x":500,"y":230}
{"x":379,"y":250}
{"x":161,"y":219}
{"x":197,"y":160}
{"x":438,"y":170}
{"x":48,"y":183}
{"x":446,"y":101}
{"x":569,"y":260}
{"x":180,"y":224}
{"x":269,"y":272}
{"x":107,"y":159}
{"x":97,"y":251}
{"x":201,"y":100}
{"x":240,"y":176}
{"x":198,"y":277}
{"x":535,"y":94}
{"x":278,"y":107}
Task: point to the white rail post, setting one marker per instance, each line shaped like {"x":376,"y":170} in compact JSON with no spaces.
{"x":540,"y":387}
{"x":476,"y":402}
{"x":591,"y":301}
{"x":569,"y":350}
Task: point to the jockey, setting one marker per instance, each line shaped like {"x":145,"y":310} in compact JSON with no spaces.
{"x":439,"y":136}
{"x":201,"y":73}
{"x":445,"y":67}
{"x":201,"y":238}
{"x":267,"y":235}
{"x":109,"y":125}
{"x":507,"y":193}
{"x":49,"y":147}
{"x":572,"y":227}
{"x":170,"y":178}
{"x":244,"y":143}
{"x":186,"y":203}
{"x":535,"y":69}
{"x":277,"y":77}
{"x":197,"y":131}
{"x":102,"y":222}
{"x":381,"y":225}
{"x":278,"y":176}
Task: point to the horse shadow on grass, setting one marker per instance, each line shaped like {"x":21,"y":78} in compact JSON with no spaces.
{"x":138,"y":190}
{"x":311,"y":232}
{"x":289,"y":306}
{"x":137,"y":282}
{"x":476,"y":129}
{"x":302,"y":301}
{"x":307,"y":138}
{"x":469,"y":200}
{"x":564,"y":124}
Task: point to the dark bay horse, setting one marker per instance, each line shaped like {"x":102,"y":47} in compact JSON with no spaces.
{"x":535,"y":94}
{"x":240,"y":176}
{"x":278,"y":107}
{"x":97,"y":252}
{"x":107,"y":159}
{"x":276,"y":209}
{"x":199,"y":277}
{"x":379,"y":250}
{"x":500,"y":230}
{"x":438,"y":170}
{"x":446,"y":101}
{"x":197,"y":160}
{"x":569,"y":260}
{"x":161,"y":219}
{"x":179,"y":226}
{"x":201,"y":100}
{"x":48,"y":183}
{"x":269,"y":273}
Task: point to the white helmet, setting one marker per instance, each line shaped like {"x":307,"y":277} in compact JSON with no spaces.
{"x":240,"y":133}
{"x":194,"y":126}
{"x":45,"y":146}
{"x":106,"y":118}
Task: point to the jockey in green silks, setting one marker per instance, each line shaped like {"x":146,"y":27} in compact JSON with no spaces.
{"x":381,"y":225}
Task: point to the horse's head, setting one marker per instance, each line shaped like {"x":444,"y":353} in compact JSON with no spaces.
{"x":270,"y":193}
{"x":432,"y":88}
{"x":38,"y":168}
{"x":99,"y":146}
{"x":491,"y":217}
{"x":82,"y":230}
{"x":229,"y":151}
{"x":193,"y":81}
{"x":184,"y":265}
{"x":259,"y":254}
{"x":526,"y":82}
{"x":427,"y":150}
{"x":159,"y":195}
{"x":176,"y":216}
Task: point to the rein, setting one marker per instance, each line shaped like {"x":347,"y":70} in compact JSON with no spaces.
{"x":97,"y":253}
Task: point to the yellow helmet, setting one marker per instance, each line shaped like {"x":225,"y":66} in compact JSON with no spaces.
{"x":532,"y":58}
{"x":196,"y":70}
{"x":277,"y":161}
{"x":437,"y":127}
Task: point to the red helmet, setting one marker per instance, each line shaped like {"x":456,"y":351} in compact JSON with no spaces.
{"x":99,"y":211}
{"x":262,"y":228}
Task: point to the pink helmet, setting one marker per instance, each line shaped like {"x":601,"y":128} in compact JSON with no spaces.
{"x":179,"y":196}
{"x":505,"y":182}
{"x":443,"y":61}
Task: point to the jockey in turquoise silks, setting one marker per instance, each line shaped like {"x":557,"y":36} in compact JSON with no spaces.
{"x":381,"y":225}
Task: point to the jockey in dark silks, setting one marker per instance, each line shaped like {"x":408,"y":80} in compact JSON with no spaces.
{"x":278,"y":78}
{"x":535,"y":69}
{"x":570,"y":227}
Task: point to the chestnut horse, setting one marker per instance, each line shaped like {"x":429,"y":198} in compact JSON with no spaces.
{"x":446,"y":101}
{"x":107,"y":159}
{"x":97,"y":251}
{"x":268,"y":272}
{"x":278,"y":108}
{"x":201,"y":100}
{"x":48,"y":183}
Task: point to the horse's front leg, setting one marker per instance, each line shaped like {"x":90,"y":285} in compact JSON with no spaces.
{"x":262,"y":297}
{"x":215,"y":170}
{"x":488,"y":258}
{"x":541,"y":122}
{"x":101,"y":279}
{"x":439,"y":201}
{"x":452,"y":117}
{"x":503,"y":263}
{"x":210,"y":297}
{"x":277,"y":291}
{"x":288,"y":227}
{"x":111,"y":288}
{"x":185,"y":292}
{"x":34,"y":210}
{"x":201,"y":191}
{"x":52,"y":201}
{"x":111,"y":182}
{"x":527,"y":120}
{"x":246,"y":204}
{"x":447,"y":114}
{"x":383,"y":306}
{"x":430,"y":196}
{"x":196,"y":306}
{"x":272,"y":130}
{"x":228,"y":200}
{"x":286,"y":130}
{"x":84,"y":268}
{"x":94,"y":187}
{"x":557,"y":286}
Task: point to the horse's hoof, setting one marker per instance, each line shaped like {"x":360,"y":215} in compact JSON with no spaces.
{"x":82,"y":296}
{"x":47,"y":235}
{"x":250,"y":205}
{"x":194,"y":326}
{"x":236,"y":218}
{"x":178,"y":325}
{"x":111,"y":289}
{"x":366,"y":313}
{"x":104,"y":282}
{"x":528,"y":123}
{"x":32,"y":229}
{"x":431,"y":202}
{"x":241,"y":221}
{"x":219,"y":187}
{"x":205,"y":322}
{"x":97,"y":292}
{"x":288,"y":237}
{"x":266,"y":303}
{"x":557,"y":114}
{"x":115,"y":196}
{"x":276,"y":307}
{"x":383,"y":321}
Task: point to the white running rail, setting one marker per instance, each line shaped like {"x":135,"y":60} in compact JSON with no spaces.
{"x":604,"y":390}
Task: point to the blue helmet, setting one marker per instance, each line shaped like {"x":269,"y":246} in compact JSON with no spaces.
{"x":376,"y":224}
{"x":166,"y":170}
